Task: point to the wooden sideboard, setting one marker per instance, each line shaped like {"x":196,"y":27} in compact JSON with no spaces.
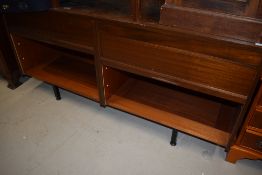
{"x":194,"y":81}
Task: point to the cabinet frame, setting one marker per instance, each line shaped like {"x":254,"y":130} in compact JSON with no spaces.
{"x":38,"y":32}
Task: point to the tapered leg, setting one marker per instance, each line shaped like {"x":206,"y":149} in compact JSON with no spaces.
{"x":56,"y":92}
{"x":173,"y":137}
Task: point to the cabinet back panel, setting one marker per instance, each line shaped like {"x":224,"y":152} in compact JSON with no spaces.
{"x":31,"y":53}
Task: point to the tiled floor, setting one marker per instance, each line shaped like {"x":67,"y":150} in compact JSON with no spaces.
{"x":75,"y":136}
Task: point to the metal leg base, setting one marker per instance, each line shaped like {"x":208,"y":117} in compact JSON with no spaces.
{"x":56,"y":92}
{"x":173,"y":137}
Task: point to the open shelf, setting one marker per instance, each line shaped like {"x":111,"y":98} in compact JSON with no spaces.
{"x":67,"y":69}
{"x":74,"y":75}
{"x":197,"y":114}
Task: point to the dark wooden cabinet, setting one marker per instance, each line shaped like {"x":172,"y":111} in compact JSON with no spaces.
{"x":9,"y":68}
{"x":197,"y":81}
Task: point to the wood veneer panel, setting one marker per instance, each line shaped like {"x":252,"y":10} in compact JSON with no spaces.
{"x":30,"y":53}
{"x":190,"y":114}
{"x":66,"y":30}
{"x":185,"y":41}
{"x":112,"y":80}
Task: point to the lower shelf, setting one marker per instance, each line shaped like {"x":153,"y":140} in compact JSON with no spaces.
{"x":71,"y":73}
{"x":191,"y":114}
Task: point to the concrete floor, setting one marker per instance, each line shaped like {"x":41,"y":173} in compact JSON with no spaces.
{"x":75,"y":136}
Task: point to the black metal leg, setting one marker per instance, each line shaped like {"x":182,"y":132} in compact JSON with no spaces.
{"x":173,"y":137}
{"x":57,"y":93}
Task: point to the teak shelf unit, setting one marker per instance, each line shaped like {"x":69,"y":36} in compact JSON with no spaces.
{"x":145,"y":60}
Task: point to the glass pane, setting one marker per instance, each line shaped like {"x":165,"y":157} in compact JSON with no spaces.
{"x":236,"y":7}
{"x":121,"y":6}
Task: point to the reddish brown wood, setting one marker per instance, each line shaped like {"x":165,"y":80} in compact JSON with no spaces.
{"x":249,"y":141}
{"x":71,"y":31}
{"x":182,"y":67}
{"x":191,"y":114}
{"x":256,"y":120}
{"x":252,"y":140}
{"x":136,"y":10}
{"x":259,"y":11}
{"x":186,"y":41}
{"x":76,"y":76}
{"x":236,"y":153}
{"x":227,"y":114}
{"x":252,"y":8}
{"x":57,"y":67}
{"x":28,"y":59}
{"x":99,"y":68}
{"x":113,"y":80}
